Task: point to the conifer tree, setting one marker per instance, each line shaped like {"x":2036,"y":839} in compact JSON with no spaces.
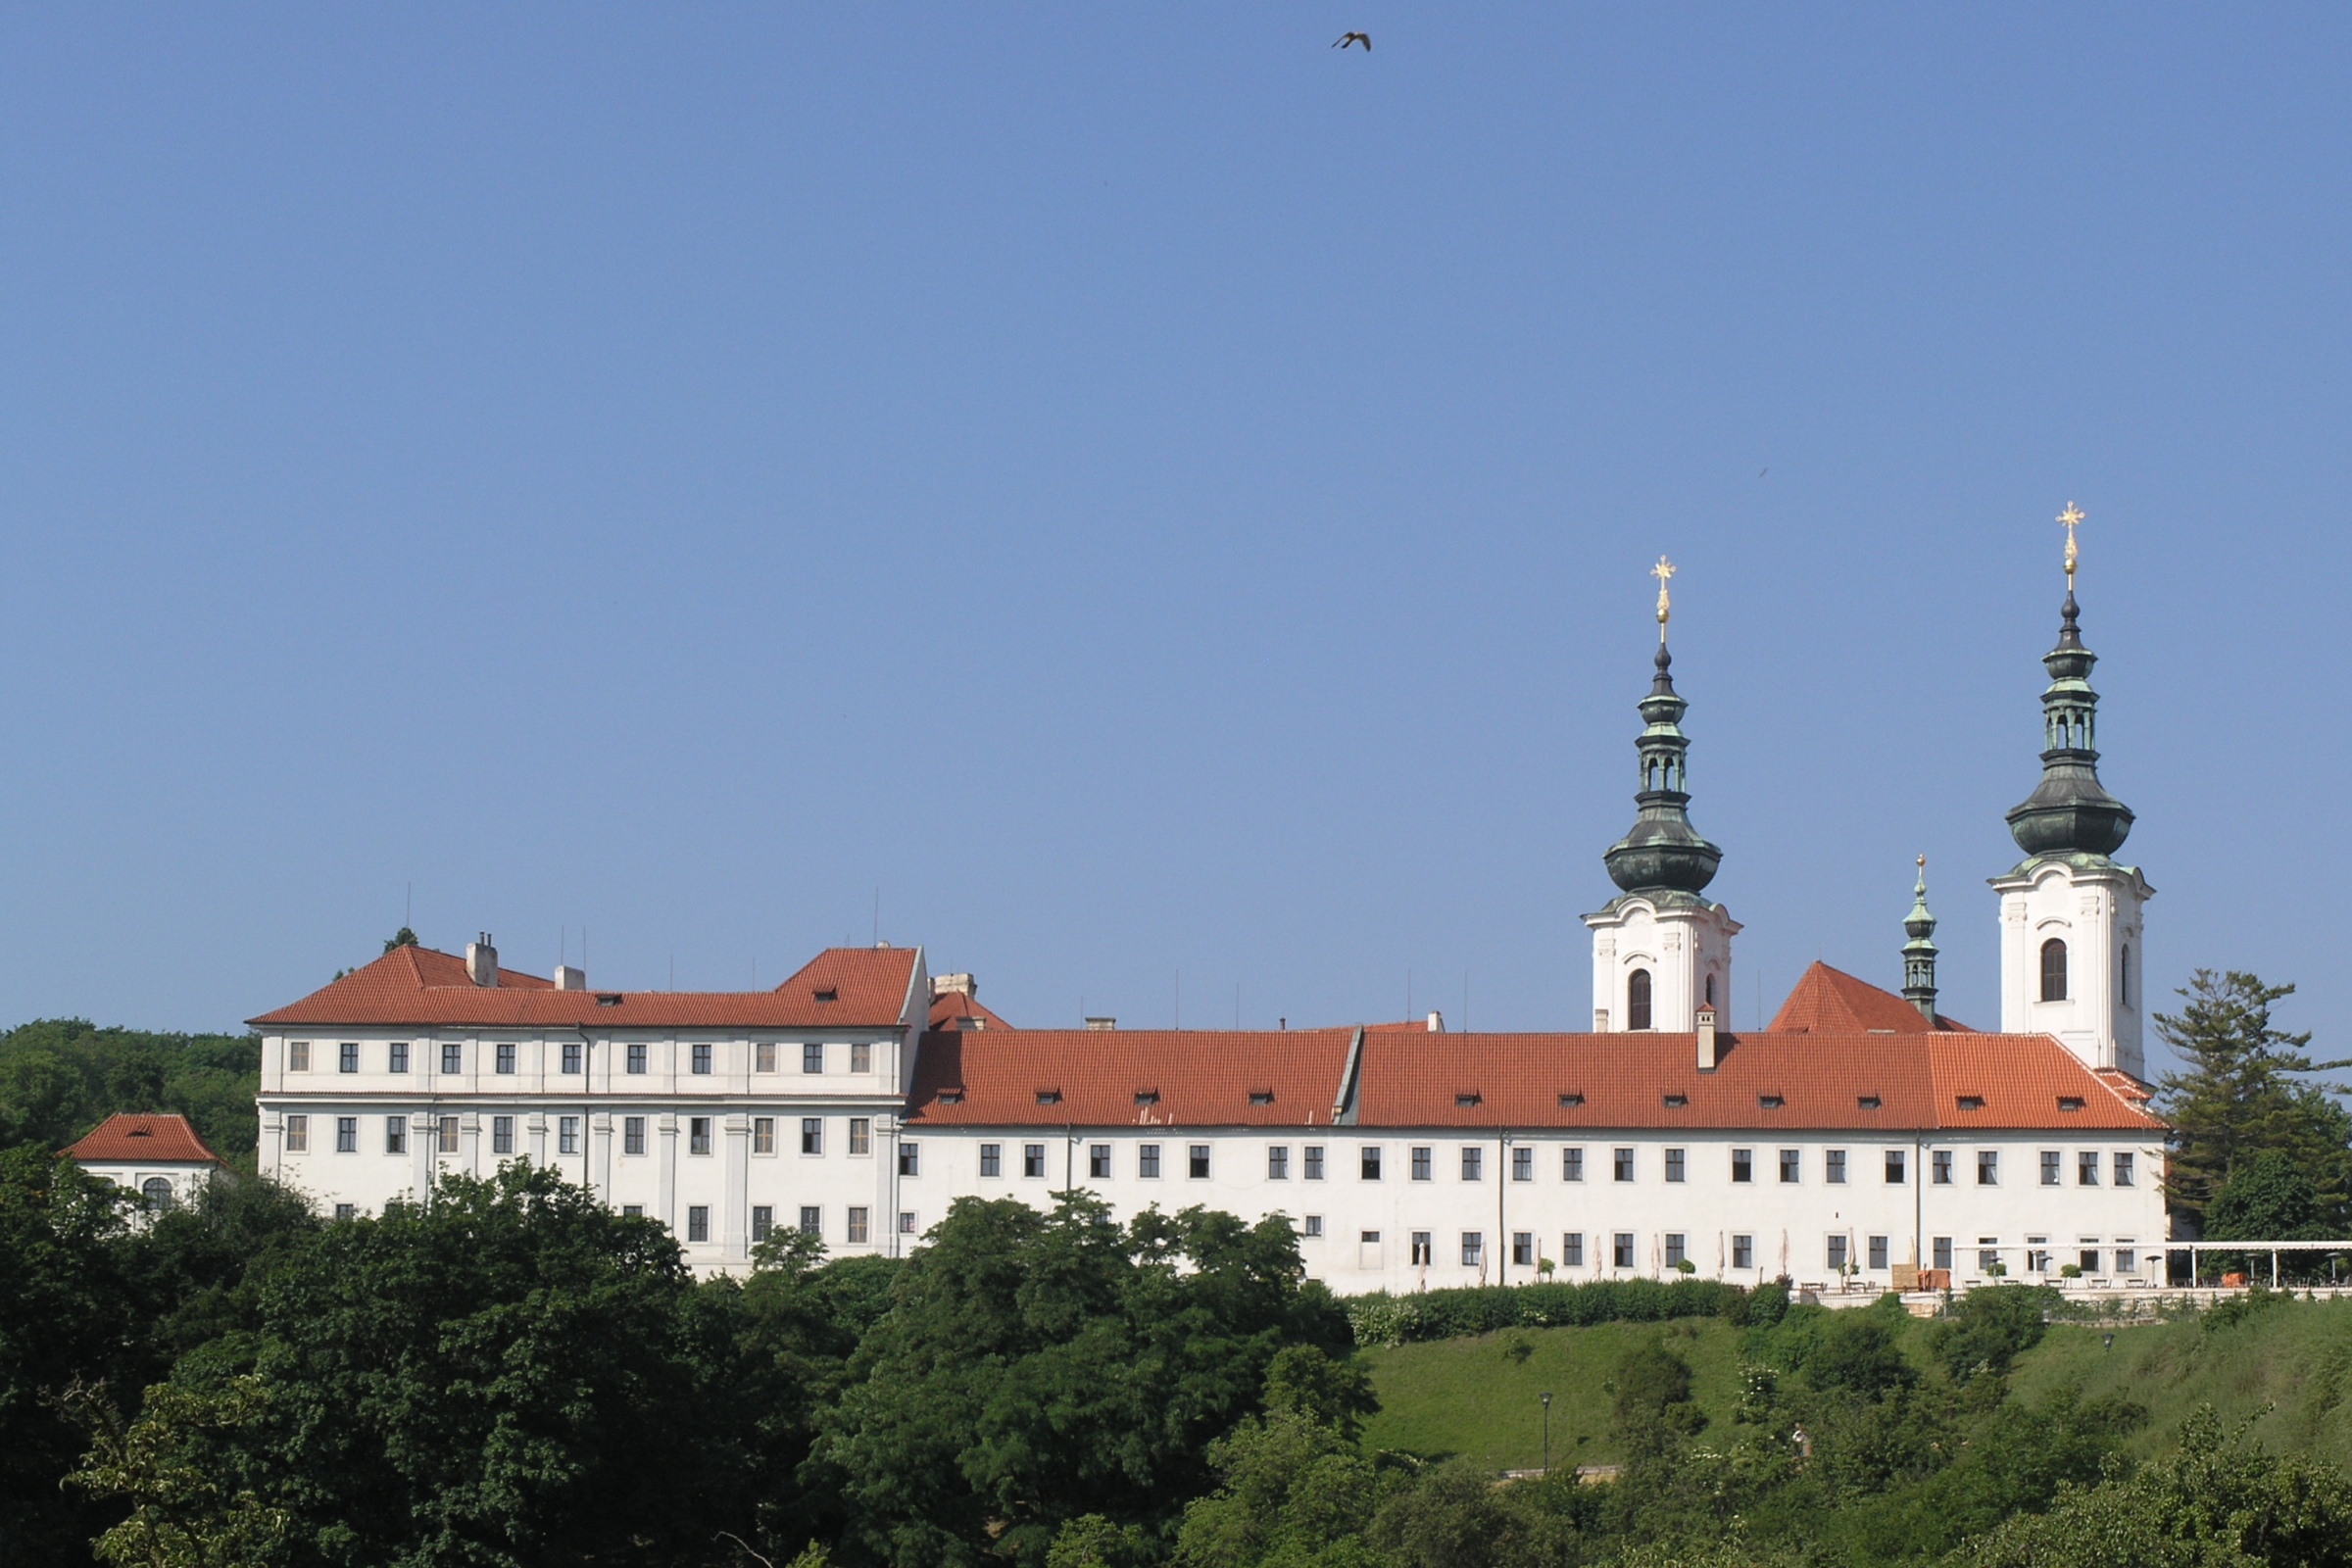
{"x":2242,"y":1097}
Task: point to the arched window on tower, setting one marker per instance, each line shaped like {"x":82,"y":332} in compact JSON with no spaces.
{"x":1710,"y":991}
{"x":2122,"y":977}
{"x":2053,"y":970}
{"x":1636,"y":1000}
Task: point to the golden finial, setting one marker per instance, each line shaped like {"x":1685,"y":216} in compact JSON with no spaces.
{"x":1664,"y":571}
{"x":2069,"y":517}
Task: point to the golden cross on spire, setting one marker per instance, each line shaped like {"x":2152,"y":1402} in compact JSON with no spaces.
{"x":1663,"y":572}
{"x":2069,"y":517}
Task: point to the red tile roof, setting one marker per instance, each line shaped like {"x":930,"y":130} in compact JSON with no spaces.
{"x":1195,"y":1077}
{"x":950,"y":1008}
{"x":124,"y":1139}
{"x":1827,"y":1001}
{"x":854,"y":988}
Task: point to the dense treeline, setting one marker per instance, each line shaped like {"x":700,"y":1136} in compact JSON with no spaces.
{"x":60,"y":1077}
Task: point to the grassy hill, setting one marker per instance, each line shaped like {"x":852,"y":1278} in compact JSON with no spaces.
{"x":1477,"y":1397}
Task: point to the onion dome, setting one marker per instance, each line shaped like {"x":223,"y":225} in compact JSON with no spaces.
{"x":2070,"y":813}
{"x":1662,"y":852}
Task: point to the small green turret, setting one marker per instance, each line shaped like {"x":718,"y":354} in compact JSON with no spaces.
{"x":1919,"y":953}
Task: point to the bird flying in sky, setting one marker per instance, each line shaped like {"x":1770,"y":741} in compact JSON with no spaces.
{"x":1347,"y":38}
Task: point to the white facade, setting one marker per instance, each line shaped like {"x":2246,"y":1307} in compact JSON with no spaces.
{"x":1684,"y":949}
{"x":160,"y":1183}
{"x":2085,"y":990}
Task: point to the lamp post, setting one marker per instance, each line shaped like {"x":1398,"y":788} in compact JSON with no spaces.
{"x":1546,"y":1398}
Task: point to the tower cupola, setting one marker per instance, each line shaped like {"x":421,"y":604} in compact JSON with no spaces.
{"x":2069,"y":813}
{"x":1919,"y":953}
{"x":1662,"y":852}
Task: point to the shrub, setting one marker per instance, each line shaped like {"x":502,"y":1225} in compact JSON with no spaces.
{"x":1385,"y":1320}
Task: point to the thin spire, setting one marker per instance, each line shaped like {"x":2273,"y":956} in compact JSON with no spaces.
{"x":1919,"y":953}
{"x":1664,"y":573}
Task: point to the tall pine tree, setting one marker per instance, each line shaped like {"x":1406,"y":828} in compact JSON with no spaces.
{"x":2242,"y":1097}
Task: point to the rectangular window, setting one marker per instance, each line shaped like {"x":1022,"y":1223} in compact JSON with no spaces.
{"x":1198,"y":1157}
{"x":448,"y":1131}
{"x":1792,"y":1166}
{"x":1834,"y":1167}
{"x":1836,"y":1257}
{"x":1674,"y":1164}
{"x":298,"y":1135}
{"x":1894,"y":1167}
{"x":857,"y":1227}
{"x":1941,"y":1160}
{"x":1677,"y":1244}
{"x":452,"y":1056}
{"x":1421,"y":1249}
{"x":763,"y":1222}
{"x":637,"y":1056}
{"x":1622,"y":1161}
{"x":2086,"y":1169}
{"x":2123,"y":1170}
{"x":1571,"y":1164}
{"x":396,"y":1056}
{"x":568,"y":1135}
{"x":698,"y":1222}
{"x":1989,"y":1167}
{"x":1988,"y":1255}
{"x":764,"y":1056}
{"x":2087,"y":1260}
{"x":701,"y":1059}
{"x":1146,"y":1161}
{"x":698,"y":1135}
{"x":1523,"y":1249}
{"x":571,"y":1056}
{"x":2049,"y":1167}
{"x":1474,"y":1163}
{"x":2037,"y":1254}
{"x":502,"y":1134}
{"x":1278,"y":1163}
{"x":506,"y":1056}
{"x":813,"y":1057}
{"x":862,"y":1135}
{"x":348,"y":1057}
{"x":347,"y":1135}
{"x":812,"y":1135}
{"x":1033,"y":1160}
{"x":992,"y":1160}
{"x":1313,"y":1154}
{"x":2127,"y":1261}
{"x":1744,"y":1164}
{"x":906,"y":1224}
{"x":347,"y":1211}
{"x":1878,"y":1251}
{"x":1314,"y":1224}
{"x":1571,"y":1249}
{"x":861,"y":1057}
{"x":1420,"y":1158}
{"x":1743,"y":1252}
{"x":632,"y":1212}
{"x":764,"y":1135}
{"x":396,"y":1135}
{"x":1098,"y":1162}
{"x":1368,"y":1166}
{"x":1621,"y":1249}
{"x":910,"y":1159}
{"x":1939,"y":1249}
{"x":1474,"y":1248}
{"x":812,"y":1220}
{"x":1522,"y":1164}
{"x":298,"y":1056}
{"x":632,"y":1135}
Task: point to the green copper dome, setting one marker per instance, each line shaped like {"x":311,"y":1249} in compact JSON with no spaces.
{"x":2069,"y":813}
{"x":1662,"y":853}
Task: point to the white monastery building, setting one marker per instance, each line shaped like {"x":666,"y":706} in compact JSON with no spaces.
{"x":162,"y":1158}
{"x":1860,"y":1133}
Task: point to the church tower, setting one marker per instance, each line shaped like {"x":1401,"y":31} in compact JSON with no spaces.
{"x":2071,"y":956}
{"x":1660,"y":951}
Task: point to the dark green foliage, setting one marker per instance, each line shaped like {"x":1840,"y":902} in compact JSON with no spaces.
{"x":1035,"y":1368}
{"x":60,"y":1077}
{"x":1383,"y":1319}
{"x":1333,"y":1392}
{"x":2240,"y":1098}
{"x":1990,"y":1327}
{"x":1859,"y":1354}
{"x":2269,"y":1198}
{"x":1653,"y":1395}
{"x":402,"y":938}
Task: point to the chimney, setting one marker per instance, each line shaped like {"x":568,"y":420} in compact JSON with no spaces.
{"x":570,"y":978}
{"x":1102,"y":1023}
{"x":481,"y":960}
{"x":1436,"y":1023}
{"x":961,"y":985}
{"x":1706,"y":1040}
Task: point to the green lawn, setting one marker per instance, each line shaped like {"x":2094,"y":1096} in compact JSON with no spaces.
{"x":1477,"y":1397}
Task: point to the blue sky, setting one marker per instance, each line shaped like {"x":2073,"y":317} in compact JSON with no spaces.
{"x":1148,"y":494}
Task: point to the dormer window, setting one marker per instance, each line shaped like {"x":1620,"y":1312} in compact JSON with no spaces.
{"x":1769,"y":1102}
{"x":1261,"y":1096}
{"x":827,"y":993}
{"x":2069,"y":1101}
{"x":1972,"y":1102}
{"x":1866,"y":1101}
{"x":1677,"y":1102}
{"x":1049,"y":1097}
{"x":1467,"y":1099}
{"x":1147,"y":1097}
{"x":951,"y":1096}
{"x":607,"y":999}
{"x":1569,"y":1102}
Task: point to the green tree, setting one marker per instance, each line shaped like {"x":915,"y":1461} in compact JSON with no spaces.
{"x":1038,"y":1367}
{"x":1989,"y":1329}
{"x":2241,"y":1097}
{"x":402,"y":938}
{"x":2270,"y":1198}
{"x":182,"y":1513}
{"x":60,"y":1077}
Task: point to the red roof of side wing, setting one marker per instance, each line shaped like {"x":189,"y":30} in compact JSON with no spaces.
{"x":1128,"y":1078}
{"x":1827,"y":1001}
{"x":960,"y":1009}
{"x":134,"y":1139}
{"x":858,"y":988}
